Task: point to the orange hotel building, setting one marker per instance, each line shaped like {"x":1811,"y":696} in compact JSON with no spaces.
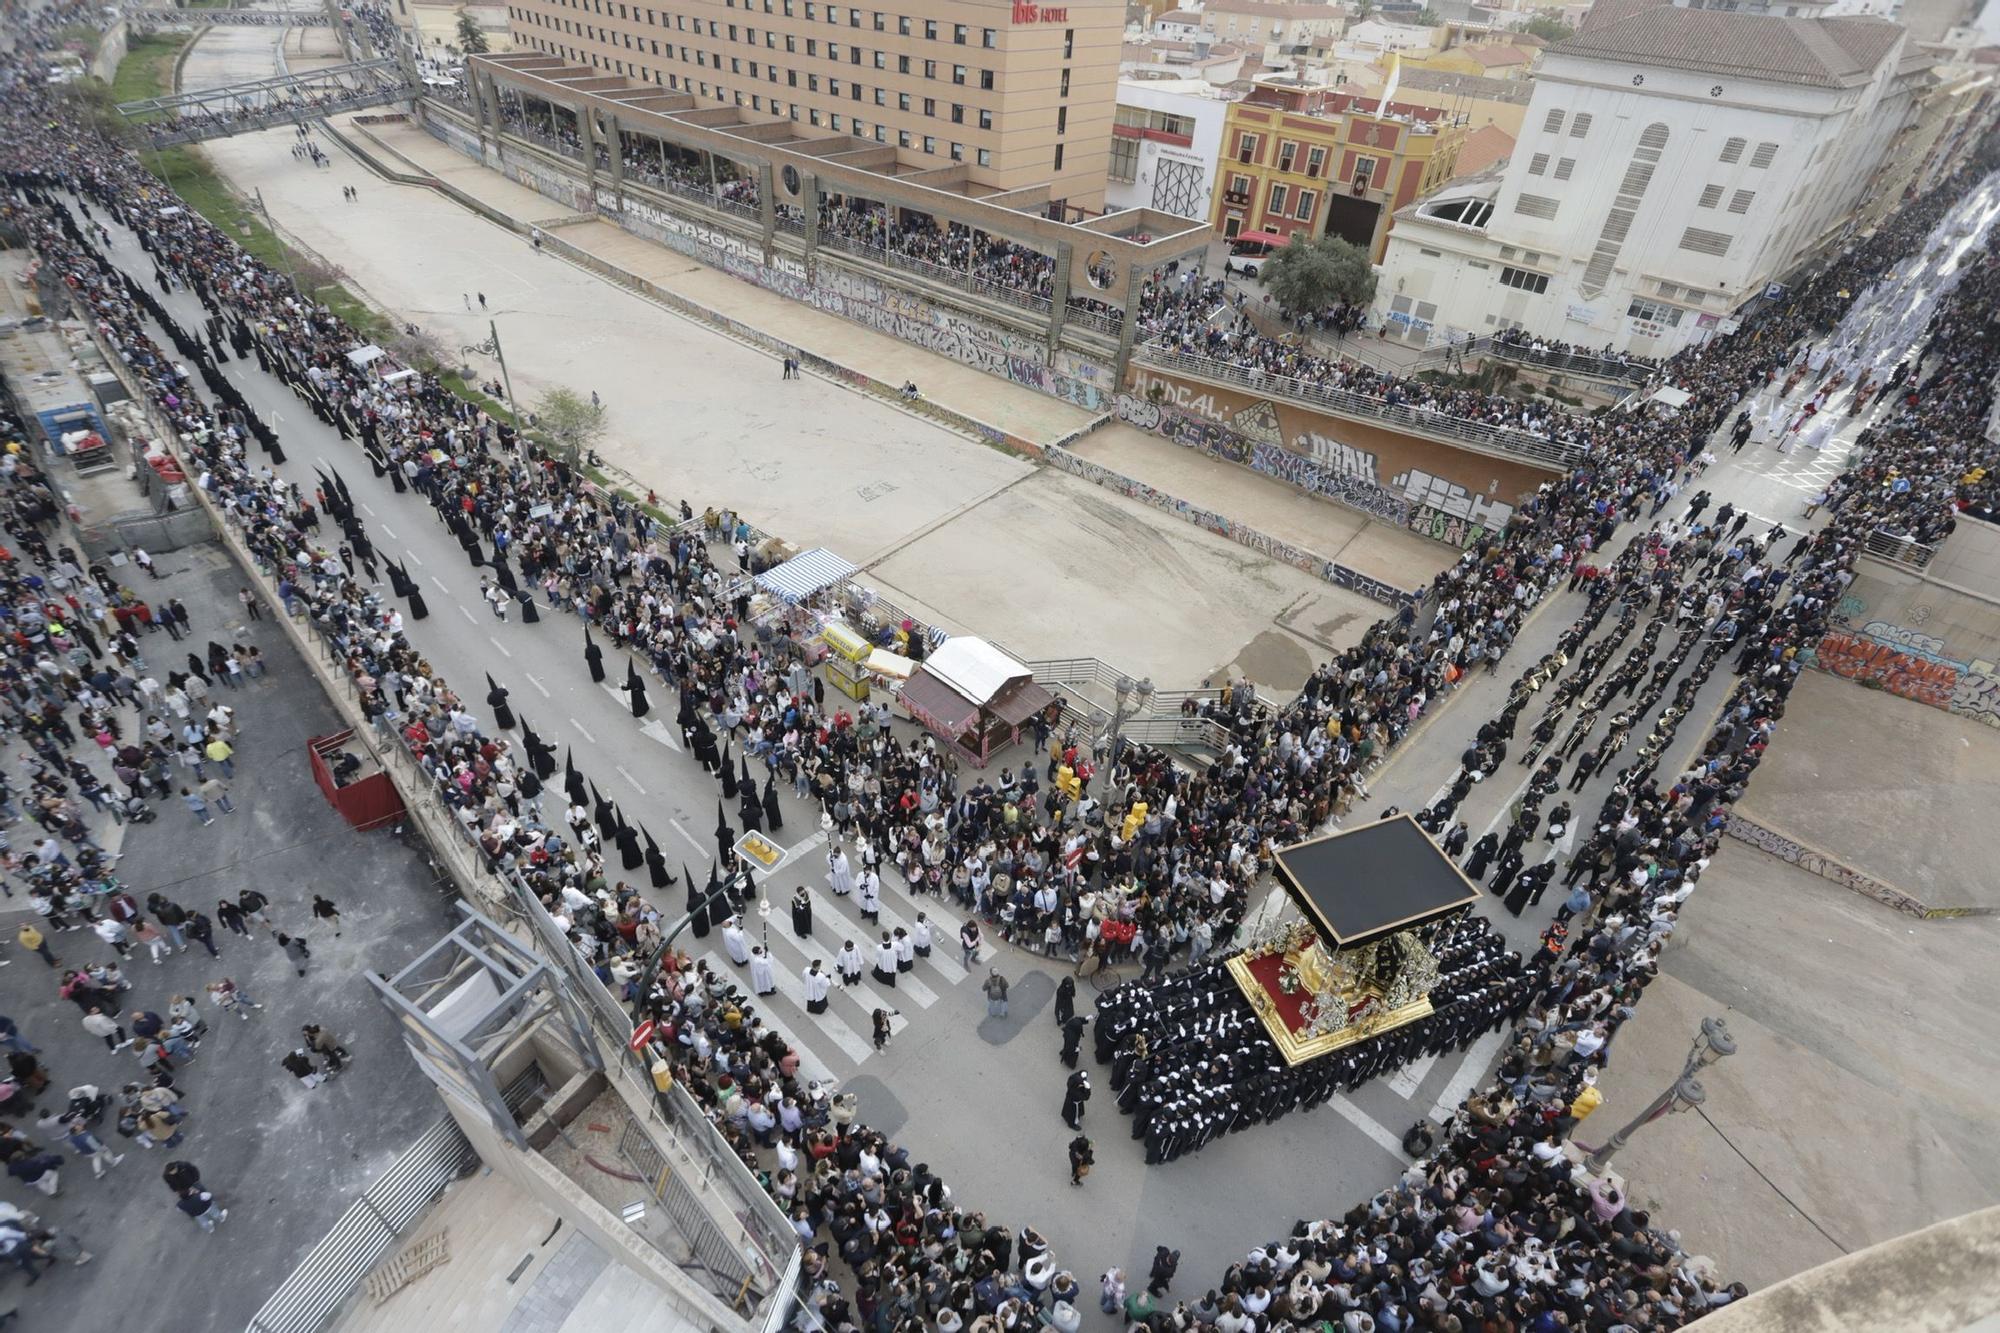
{"x":1320,"y":162}
{"x":1018,"y":93}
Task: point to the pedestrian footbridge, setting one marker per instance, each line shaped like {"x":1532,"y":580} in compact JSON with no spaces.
{"x":287,"y":99}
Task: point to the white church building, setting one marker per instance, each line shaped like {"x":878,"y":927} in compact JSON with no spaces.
{"x":1672,"y":165}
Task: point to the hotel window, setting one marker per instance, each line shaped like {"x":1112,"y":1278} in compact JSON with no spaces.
{"x":984,"y":157}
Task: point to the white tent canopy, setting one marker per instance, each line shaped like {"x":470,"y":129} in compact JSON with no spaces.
{"x":973,"y":667}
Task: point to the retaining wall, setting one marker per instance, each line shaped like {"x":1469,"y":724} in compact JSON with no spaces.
{"x":1932,"y":637}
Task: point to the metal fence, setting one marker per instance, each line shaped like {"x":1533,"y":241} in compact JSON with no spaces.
{"x":1897,"y":549}
{"x":1443,"y":426}
{"x":375,"y":1222}
{"x":154,"y":532}
{"x":712,"y":1260}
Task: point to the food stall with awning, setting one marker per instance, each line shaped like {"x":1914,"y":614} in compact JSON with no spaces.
{"x":805,"y":576}
{"x":974,"y":697}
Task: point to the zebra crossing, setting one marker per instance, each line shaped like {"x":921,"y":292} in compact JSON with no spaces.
{"x":833,"y":1045}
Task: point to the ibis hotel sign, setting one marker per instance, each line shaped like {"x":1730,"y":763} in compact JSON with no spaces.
{"x":1028,"y":13}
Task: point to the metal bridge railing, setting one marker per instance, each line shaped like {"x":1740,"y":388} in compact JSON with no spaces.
{"x":1442,"y":426}
{"x":1897,"y":549}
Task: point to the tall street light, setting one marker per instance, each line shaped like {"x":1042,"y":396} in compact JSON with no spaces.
{"x":1129,"y":699}
{"x":1711,"y":1044}
{"x":491,"y":347}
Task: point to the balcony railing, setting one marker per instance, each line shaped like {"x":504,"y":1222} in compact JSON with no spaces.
{"x":1111,"y":322}
{"x":1613,"y":368}
{"x":938,"y":273}
{"x":1482,"y":435}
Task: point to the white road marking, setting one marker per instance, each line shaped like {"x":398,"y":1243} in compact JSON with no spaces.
{"x":538,"y":685}
{"x":662,"y":733}
{"x":1366,"y":1123}
{"x":629,"y":778}
{"x":699,"y":846}
{"x":440,"y":583}
{"x":1470,"y":1070}
{"x":582,"y":731}
{"x":419,"y":559}
{"x":466,"y":612}
{"x":371,"y":513}
{"x":390,"y":535}
{"x":1405,"y":1081}
{"x":504,"y":650}
{"x":851,"y":1043}
{"x":321,"y":460}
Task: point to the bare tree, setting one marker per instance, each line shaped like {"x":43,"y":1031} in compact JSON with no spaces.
{"x":573,"y":422}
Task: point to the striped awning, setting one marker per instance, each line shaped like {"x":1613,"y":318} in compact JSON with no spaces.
{"x":805,"y":574}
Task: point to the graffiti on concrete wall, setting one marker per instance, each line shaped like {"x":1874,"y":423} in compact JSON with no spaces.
{"x":1354,"y":487}
{"x":1255,"y":538}
{"x":1816,"y":862}
{"x":1333,"y":469}
{"x":1910,"y":665}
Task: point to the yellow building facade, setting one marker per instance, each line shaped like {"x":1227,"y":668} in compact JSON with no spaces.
{"x":1313,"y":162}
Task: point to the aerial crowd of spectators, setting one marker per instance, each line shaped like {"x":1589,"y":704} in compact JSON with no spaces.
{"x":1121,"y":857}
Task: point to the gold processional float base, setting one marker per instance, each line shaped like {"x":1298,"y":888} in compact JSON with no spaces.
{"x":1312,"y":1003}
{"x":1353,"y":964}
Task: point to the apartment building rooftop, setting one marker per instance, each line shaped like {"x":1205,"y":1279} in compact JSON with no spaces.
{"x":1825,"y":53}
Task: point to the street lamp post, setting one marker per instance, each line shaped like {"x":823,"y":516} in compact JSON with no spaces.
{"x":1711,"y":1044}
{"x":724,"y":892}
{"x":284,"y":251}
{"x":491,"y":347}
{"x":1129,"y":699}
